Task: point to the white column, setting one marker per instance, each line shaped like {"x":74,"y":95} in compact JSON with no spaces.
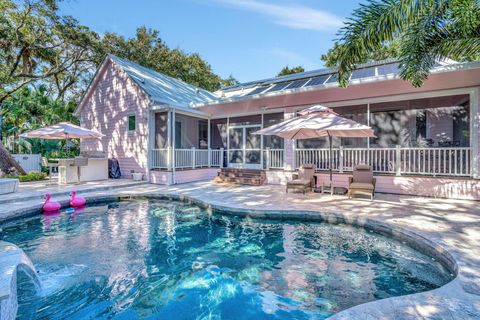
{"x":368,"y":123}
{"x":174,"y":180}
{"x":475,"y":132}
{"x":228,"y":142}
{"x":261,"y":147}
{"x":169,"y":140}
{"x":209,"y":148}
{"x":151,"y":140}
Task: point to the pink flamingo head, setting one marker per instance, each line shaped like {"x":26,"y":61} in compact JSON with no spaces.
{"x":47,"y":197}
{"x":73,"y":193}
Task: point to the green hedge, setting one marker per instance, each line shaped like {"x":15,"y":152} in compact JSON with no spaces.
{"x":31,"y":176}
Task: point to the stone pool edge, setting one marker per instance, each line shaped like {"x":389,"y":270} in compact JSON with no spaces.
{"x":366,"y":310}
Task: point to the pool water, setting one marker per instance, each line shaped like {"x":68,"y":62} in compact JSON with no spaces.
{"x":158,"y":259}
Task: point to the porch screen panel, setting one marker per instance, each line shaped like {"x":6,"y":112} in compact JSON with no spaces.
{"x":161,"y":130}
{"x":193,"y":132}
{"x":272,"y":142}
{"x":429,"y":122}
{"x":357,"y":113}
{"x":218,"y":133}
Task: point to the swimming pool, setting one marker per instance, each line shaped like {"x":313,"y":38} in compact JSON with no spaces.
{"x":162,"y":259}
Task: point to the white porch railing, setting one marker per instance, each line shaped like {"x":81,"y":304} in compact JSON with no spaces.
{"x":274,"y":158}
{"x":399,"y":160}
{"x":186,"y":158}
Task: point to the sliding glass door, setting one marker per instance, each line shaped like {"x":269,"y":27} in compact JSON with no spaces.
{"x":244,"y":147}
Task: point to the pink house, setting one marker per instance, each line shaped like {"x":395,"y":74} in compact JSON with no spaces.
{"x":427,"y":138}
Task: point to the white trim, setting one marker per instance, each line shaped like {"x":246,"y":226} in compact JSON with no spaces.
{"x":151,"y":139}
{"x":475,"y":132}
{"x":261,"y":145}
{"x":368,"y":123}
{"x":181,"y":110}
{"x":174,"y":178}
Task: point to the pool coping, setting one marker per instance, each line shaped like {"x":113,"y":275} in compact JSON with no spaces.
{"x":400,"y":307}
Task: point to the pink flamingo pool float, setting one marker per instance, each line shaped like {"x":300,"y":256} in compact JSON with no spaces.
{"x":76,"y":201}
{"x":50,"y":205}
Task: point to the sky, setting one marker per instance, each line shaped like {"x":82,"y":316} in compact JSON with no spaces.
{"x":249,"y":39}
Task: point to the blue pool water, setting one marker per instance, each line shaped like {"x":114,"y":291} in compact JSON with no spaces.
{"x":158,"y":259}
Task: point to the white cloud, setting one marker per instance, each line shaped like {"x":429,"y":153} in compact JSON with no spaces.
{"x":289,"y":57}
{"x":292,"y":16}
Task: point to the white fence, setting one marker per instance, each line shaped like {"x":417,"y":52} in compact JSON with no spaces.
{"x":416,"y":161}
{"x":186,"y":158}
{"x":398,"y":160}
{"x":29,"y":162}
{"x":274,"y":158}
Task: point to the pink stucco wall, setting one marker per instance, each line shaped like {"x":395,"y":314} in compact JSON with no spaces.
{"x":453,"y":188}
{"x":106,"y":109}
{"x":183,"y":176}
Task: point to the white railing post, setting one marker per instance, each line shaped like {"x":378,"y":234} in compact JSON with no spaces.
{"x":221,"y":158}
{"x":267,"y":159}
{"x":209,"y":157}
{"x":398,"y":160}
{"x":193,"y":157}
{"x":169,"y":158}
{"x":340,"y":159}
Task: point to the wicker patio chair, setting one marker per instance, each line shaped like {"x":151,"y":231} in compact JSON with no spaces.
{"x":362,"y":182}
{"x":303,"y":180}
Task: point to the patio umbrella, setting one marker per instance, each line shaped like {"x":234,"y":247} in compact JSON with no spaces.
{"x":62,"y":130}
{"x":319,"y":121}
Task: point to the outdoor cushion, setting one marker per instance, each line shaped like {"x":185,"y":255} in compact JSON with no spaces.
{"x":308,"y":166}
{"x":362,"y":167}
{"x":361,"y":185}
{"x":299,"y":182}
{"x":365,"y":176}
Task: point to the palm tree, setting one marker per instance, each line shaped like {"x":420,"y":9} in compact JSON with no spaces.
{"x":7,"y":164}
{"x":427,"y":30}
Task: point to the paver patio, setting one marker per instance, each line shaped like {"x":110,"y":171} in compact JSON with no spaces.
{"x":452,"y":224}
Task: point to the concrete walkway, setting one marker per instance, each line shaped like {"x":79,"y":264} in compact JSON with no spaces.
{"x":453,"y":225}
{"x":39,"y":188}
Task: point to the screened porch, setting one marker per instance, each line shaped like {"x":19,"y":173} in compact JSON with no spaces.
{"x":429,"y":137}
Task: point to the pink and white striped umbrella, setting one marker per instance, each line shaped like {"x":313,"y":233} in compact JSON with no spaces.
{"x":318,"y":121}
{"x":62,"y":130}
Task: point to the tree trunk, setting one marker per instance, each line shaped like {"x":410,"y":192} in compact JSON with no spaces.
{"x":7,"y":164}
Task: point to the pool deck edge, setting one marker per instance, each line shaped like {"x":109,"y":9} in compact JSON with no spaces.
{"x":458,"y":299}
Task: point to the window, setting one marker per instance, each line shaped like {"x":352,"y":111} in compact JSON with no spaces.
{"x":132,"y":123}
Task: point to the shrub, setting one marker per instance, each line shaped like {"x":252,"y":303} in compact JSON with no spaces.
{"x":31,"y":176}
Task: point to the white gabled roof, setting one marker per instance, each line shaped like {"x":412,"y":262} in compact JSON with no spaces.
{"x":162,"y":88}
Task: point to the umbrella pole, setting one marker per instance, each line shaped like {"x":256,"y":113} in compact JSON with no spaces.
{"x":330,"y":158}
